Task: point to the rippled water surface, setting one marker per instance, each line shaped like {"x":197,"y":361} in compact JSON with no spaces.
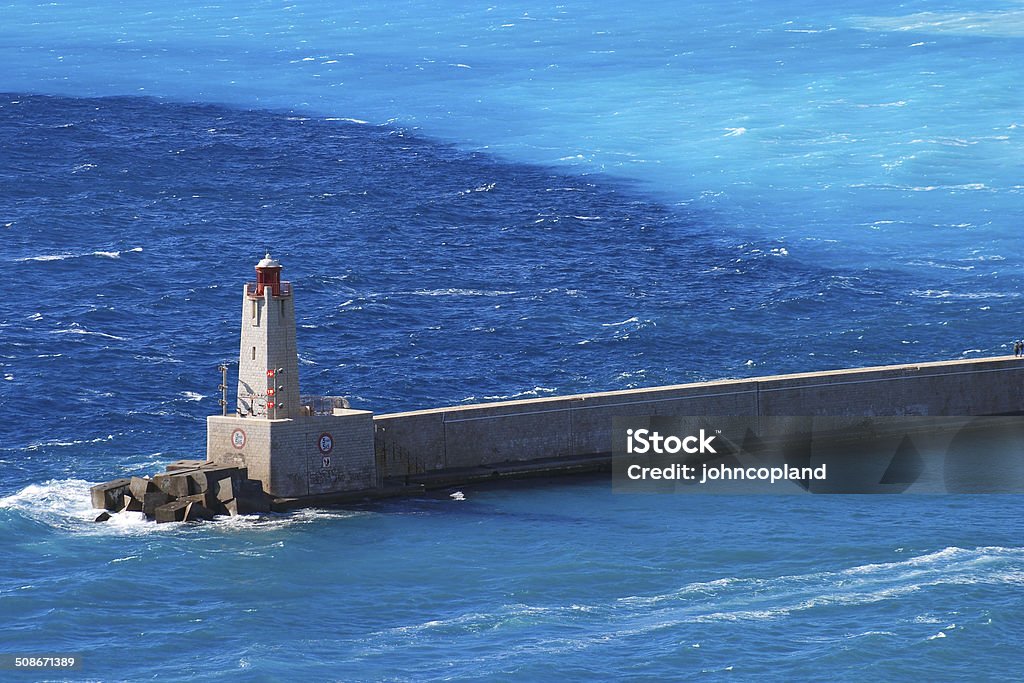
{"x":478,"y":202}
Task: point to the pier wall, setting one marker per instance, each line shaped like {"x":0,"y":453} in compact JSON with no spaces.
{"x":303,"y":456}
{"x":468,"y":436}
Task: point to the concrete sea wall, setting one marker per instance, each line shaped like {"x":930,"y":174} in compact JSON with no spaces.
{"x":516,"y":433}
{"x":303,"y":463}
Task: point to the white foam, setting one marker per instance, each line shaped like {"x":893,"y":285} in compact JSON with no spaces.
{"x":757,"y":599}
{"x":346,"y":119}
{"x":1003,"y":23}
{"x":192,"y":396}
{"x":946,"y":294}
{"x":60,"y":503}
{"x":536,"y":391}
{"x":897,"y":103}
{"x":728,"y":599}
{"x":481,"y":188}
{"x":115,"y":254}
{"x":76,"y":329}
{"x":469,"y":621}
{"x":64,"y":256}
{"x":459,"y":292}
{"x":67,"y":504}
{"x":47,"y":257}
{"x":60,"y":444}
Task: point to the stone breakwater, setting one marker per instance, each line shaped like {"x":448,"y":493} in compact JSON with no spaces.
{"x":188,"y":491}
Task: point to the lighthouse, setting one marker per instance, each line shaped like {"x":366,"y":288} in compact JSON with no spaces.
{"x":268,"y":365}
{"x":295,"y":446}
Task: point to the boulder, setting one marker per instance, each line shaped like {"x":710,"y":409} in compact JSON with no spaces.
{"x":152,"y":500}
{"x":251,"y":498}
{"x":172,"y":512}
{"x":110,"y":496}
{"x":140,"y":486}
{"x":208,"y":501}
{"x":174,"y":484}
{"x":200,"y":479}
{"x":224,"y":489}
{"x":242,"y":469}
{"x":206,"y":478}
{"x":180,"y":465}
{"x":190,"y":490}
{"x":215,"y":506}
{"x":102,"y":517}
{"x":194,"y":512}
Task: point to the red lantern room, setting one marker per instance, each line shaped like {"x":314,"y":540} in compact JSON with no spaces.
{"x":268,"y":274}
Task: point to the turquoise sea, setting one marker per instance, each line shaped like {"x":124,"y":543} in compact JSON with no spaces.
{"x":479,"y":201}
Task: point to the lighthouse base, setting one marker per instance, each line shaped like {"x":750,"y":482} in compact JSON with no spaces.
{"x":305,"y":456}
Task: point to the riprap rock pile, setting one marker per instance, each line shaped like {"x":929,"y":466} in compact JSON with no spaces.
{"x":189,"y":491}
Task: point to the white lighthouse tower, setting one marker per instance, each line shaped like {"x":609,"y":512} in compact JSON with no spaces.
{"x":296,"y":448}
{"x":268,"y":365}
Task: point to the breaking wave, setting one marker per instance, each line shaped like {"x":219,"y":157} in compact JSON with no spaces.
{"x":66,"y":505}
{"x":66,"y":256}
{"x":728,"y":599}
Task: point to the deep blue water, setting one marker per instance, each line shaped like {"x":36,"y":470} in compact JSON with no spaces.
{"x":480,"y":202}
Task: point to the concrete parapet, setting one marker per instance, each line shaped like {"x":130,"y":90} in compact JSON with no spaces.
{"x":986,"y":386}
{"x":592,"y":414}
{"x":424,"y":441}
{"x":411,"y":444}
